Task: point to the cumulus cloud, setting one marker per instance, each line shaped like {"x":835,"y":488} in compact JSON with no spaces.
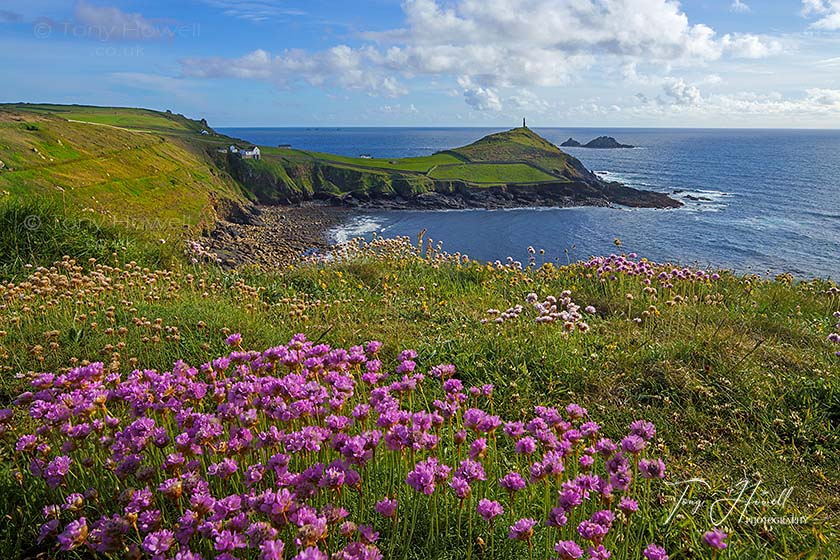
{"x":529,"y":102}
{"x":498,"y":44}
{"x":682,"y":93}
{"x":827,"y":13}
{"x":750,"y":46}
{"x":481,"y":98}
{"x":686,"y":99}
{"x":340,"y":66}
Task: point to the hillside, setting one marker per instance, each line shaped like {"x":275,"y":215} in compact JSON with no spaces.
{"x":141,"y":170}
{"x":516,"y":168}
{"x":113,"y":161}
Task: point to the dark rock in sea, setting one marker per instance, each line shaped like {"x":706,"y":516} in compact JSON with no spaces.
{"x":570,"y":143}
{"x":697,"y":198}
{"x":605,"y":142}
{"x":541,"y":195}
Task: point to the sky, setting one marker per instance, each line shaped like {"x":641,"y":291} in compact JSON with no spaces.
{"x":570,"y":63}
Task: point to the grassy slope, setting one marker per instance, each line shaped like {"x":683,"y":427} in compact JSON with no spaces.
{"x":515,"y":156}
{"x":159,"y":183}
{"x":113,"y":116}
{"x":521,"y":145}
{"x":490,"y":173}
{"x":737,"y":376}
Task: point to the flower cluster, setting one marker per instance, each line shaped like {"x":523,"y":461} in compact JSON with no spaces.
{"x":196,"y":253}
{"x":306,"y":451}
{"x":835,"y":336}
{"x":550,"y":310}
{"x":614,"y":266}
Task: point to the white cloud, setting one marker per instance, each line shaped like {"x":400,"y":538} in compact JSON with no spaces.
{"x":482,"y":99}
{"x":686,"y":99}
{"x":497,"y":44}
{"x":399,"y":109}
{"x":739,"y":6}
{"x":682,"y":93}
{"x":827,"y":13}
{"x":257,"y":11}
{"x":340,"y":66}
{"x":108,"y":23}
{"x":528,"y":101}
{"x":750,"y":46}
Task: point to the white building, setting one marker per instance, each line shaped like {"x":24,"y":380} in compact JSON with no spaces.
{"x":252,"y":152}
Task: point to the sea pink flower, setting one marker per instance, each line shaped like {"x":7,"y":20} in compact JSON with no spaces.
{"x":655,"y":552}
{"x":522,"y":530}
{"x":489,"y":510}
{"x":512,"y":482}
{"x":715,"y":539}
{"x":74,"y":534}
{"x":386,"y":507}
{"x":568,"y":550}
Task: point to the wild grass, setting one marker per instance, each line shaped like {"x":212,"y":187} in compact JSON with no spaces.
{"x":37,"y":232}
{"x":492,"y":173}
{"x":736,"y":372}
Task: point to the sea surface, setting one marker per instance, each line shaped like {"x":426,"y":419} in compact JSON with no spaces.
{"x":765,"y":201}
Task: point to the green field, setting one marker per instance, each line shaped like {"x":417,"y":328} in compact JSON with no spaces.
{"x":160,"y":186}
{"x":418,"y":164}
{"x":112,"y":116}
{"x":491,"y":173}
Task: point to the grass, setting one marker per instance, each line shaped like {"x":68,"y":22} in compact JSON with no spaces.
{"x":415,"y":164}
{"x":112,"y":116}
{"x":37,"y":232}
{"x":492,"y":173}
{"x":161,"y":187}
{"x":736,"y":373}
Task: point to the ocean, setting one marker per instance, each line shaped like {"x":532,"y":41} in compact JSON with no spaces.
{"x":756,"y":201}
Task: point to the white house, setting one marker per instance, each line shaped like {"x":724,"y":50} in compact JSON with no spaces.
{"x":250,"y":153}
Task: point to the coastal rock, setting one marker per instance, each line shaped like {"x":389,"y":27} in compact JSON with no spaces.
{"x":605,"y":143}
{"x":571,"y":143}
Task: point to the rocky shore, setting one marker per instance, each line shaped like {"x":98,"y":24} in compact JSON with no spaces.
{"x":540,"y":195}
{"x":273,"y":236}
{"x":276,"y":235}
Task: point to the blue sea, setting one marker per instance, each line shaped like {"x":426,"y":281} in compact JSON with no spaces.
{"x":767,"y":201}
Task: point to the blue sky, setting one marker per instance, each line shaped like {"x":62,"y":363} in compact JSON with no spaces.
{"x":716,"y":63}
